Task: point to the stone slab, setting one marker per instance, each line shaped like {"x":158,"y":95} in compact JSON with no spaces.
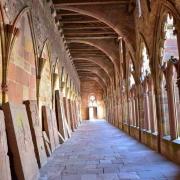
{"x":36,"y":131}
{"x":95,"y":152}
{"x":46,"y":144}
{"x":68,"y":129}
{"x":60,"y":137}
{"x":20,"y":141}
{"x":67,"y":114}
{"x":5,"y":173}
{"x":55,"y":128}
{"x":60,"y":115}
{"x":48,"y":126}
{"x":71,"y":114}
{"x":75,"y":114}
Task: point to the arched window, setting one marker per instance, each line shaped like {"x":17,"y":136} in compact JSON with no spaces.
{"x":170,"y":47}
{"x":146,"y":104}
{"x":131,"y":83}
{"x":145,"y":69}
{"x":170,"y":60}
{"x":165,"y":108}
{"x":92,"y":101}
{"x":131,"y":77}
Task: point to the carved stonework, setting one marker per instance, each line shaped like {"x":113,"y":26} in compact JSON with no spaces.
{"x":48,"y":126}
{"x":20,"y":141}
{"x":36,"y":131}
{"x":60,"y":114}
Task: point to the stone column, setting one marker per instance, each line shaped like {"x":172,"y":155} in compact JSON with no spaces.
{"x":146,"y":115}
{"x":158,"y":100}
{"x":172,"y":113}
{"x":151,"y":111}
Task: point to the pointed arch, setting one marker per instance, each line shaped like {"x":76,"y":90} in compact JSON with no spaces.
{"x":20,"y":72}
{"x":144,"y":59}
{"x":56,"y":75}
{"x":167,"y":65}
{"x":103,"y":46}
{"x":45,"y":81}
{"x":113,"y":22}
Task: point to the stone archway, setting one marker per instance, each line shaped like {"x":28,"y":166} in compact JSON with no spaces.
{"x":45,"y":83}
{"x":21,"y":75}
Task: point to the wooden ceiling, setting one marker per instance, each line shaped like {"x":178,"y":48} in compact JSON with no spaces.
{"x":77,"y":27}
{"x":88,"y":2}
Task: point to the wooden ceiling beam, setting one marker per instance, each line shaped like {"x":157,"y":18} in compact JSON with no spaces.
{"x":59,"y":3}
{"x":83,"y":49}
{"x":94,"y":37}
{"x":74,"y":27}
{"x":68,"y":14}
{"x":86,"y":53}
{"x":79,"y":21}
{"x":87,"y":33}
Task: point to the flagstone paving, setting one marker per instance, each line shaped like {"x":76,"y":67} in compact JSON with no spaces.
{"x":99,"y":151}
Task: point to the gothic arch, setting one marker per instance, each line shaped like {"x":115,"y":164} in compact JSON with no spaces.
{"x":56,"y":75}
{"x":143,"y":47}
{"x":98,"y":80}
{"x":102,"y":47}
{"x":95,"y":13}
{"x":166,"y":8}
{"x":45,"y":78}
{"x":98,"y":71}
{"x":99,"y":62}
{"x":91,"y":62}
{"x":88,"y":72}
{"x":20,"y":64}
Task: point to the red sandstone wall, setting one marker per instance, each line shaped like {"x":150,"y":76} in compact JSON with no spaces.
{"x":22,"y":71}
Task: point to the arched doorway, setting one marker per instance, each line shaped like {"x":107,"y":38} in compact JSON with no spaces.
{"x":92,"y":107}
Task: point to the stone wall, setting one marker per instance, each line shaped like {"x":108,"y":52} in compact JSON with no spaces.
{"x":36,"y":26}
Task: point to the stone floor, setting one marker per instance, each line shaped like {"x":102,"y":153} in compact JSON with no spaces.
{"x":99,"y":151}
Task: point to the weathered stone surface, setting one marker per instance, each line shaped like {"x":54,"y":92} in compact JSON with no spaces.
{"x":36,"y":131}
{"x":74,"y":114}
{"x":71,"y":115}
{"x":67,"y":113}
{"x":60,"y":115}
{"x":5,"y":173}
{"x":48,"y":126}
{"x":20,"y":141}
{"x":55,"y":128}
{"x":99,"y":151}
{"x":46,"y":143}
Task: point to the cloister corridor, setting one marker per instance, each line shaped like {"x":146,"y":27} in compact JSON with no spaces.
{"x":99,"y":151}
{"x":89,"y":89}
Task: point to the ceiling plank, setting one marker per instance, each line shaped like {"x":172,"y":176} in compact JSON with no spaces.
{"x":79,"y":21}
{"x":75,"y":27}
{"x":88,"y":33}
{"x":59,"y":3}
{"x":97,"y":37}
